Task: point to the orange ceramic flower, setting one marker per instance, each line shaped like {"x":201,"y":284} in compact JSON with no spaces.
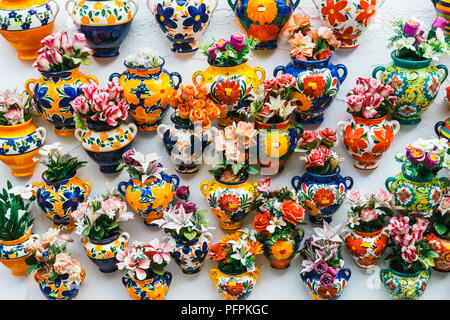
{"x":385,"y":137}
{"x":333,"y":13}
{"x":262,"y":11}
{"x":228,"y":92}
{"x":263,"y":33}
{"x":327,"y":293}
{"x":324,"y":198}
{"x":352,"y":139}
{"x":313,"y":85}
{"x":347,"y":36}
{"x":233,"y":237}
{"x":311,"y":207}
{"x":292,"y":211}
{"x":229,"y":203}
{"x":367,"y":159}
{"x":163,"y":196}
{"x":282,"y":250}
{"x":368,"y":9}
{"x":380,"y":244}
{"x":303,"y":103}
{"x":217,"y":253}
{"x":355,"y":246}
{"x":234,"y":288}
{"x":255,"y":247}
{"x":261,"y":222}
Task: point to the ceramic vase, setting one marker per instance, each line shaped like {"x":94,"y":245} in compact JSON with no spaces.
{"x":441,"y":245}
{"x":264,"y":20}
{"x":105,"y":144}
{"x":13,"y":254}
{"x":367,"y":139}
{"x":317,"y":291}
{"x":443,"y":10}
{"x":282,"y":251}
{"x":234,"y":286}
{"x":147,"y":90}
{"x":53,"y":93}
{"x":183,"y":22}
{"x":59,"y":199}
{"x":60,"y":289}
{"x":103,"y":252}
{"x":323,"y":194}
{"x":105,"y":23}
{"x":416,"y":85}
{"x":24,"y":23}
{"x":318,"y":83}
{"x":19,"y":144}
{"x":442,"y":129}
{"x":150,"y":289}
{"x":366,"y":248}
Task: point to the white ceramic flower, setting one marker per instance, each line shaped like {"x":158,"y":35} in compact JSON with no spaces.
{"x":275,"y":223}
{"x":23,"y":191}
{"x":50,"y":150}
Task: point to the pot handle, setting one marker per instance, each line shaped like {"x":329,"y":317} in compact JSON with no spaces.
{"x":211,"y":133}
{"x":27,"y":85}
{"x":125,"y":236}
{"x":396,"y":126}
{"x":162,"y":129}
{"x":178,"y":76}
{"x":296,"y":4}
{"x":388,"y":182}
{"x":195,"y":76}
{"x":88,"y":186}
{"x":437,"y":128}
{"x":70,"y":12}
{"x":301,"y":233}
{"x":136,"y":7}
{"x":263,"y":74}
{"x":344,"y":75}
{"x":295,"y":182}
{"x":257,"y":272}
{"x":133,"y":128}
{"x":299,"y":128}
{"x":203,"y":189}
{"x":340,"y":128}
{"x":277,"y":70}
{"x":114,"y":75}
{"x":82,"y":275}
{"x":232,"y":5}
{"x":168,"y":277}
{"x":348,"y":179}
{"x":43,"y":132}
{"x":92,"y":78}
{"x":214,"y":274}
{"x":376,"y":70}
{"x":78,"y":134}
{"x":56,"y":4}
{"x":383,"y":272}
{"x":208,"y":236}
{"x":215,"y":6}
{"x":121,"y":189}
{"x":443,"y":67}
{"x":347,"y":272}
{"x":175,"y":180}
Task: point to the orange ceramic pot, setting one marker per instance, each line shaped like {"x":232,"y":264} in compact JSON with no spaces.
{"x":441,"y":245}
{"x":366,"y":248}
{"x":13,"y":254}
{"x":148,"y":289}
{"x":60,"y":289}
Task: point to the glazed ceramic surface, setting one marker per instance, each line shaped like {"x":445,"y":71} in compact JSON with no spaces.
{"x":366,"y":248}
{"x":318,"y":83}
{"x":183,"y":22}
{"x":416,"y":85}
{"x":13,"y":254}
{"x":264,"y":20}
{"x":149,"y":289}
{"x":443,"y":10}
{"x":234,"y":286}
{"x":402,"y":286}
{"x":442,"y":129}
{"x":281,"y":252}
{"x":440,"y":245}
{"x":318,"y":292}
{"x":61,"y":288}
{"x":367,"y":139}
{"x":53,"y":93}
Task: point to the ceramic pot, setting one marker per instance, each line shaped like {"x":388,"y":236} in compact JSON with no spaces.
{"x":105,"y":144}
{"x":19,"y":144}
{"x":417,"y":196}
{"x":150,"y":198}
{"x":443,"y":10}
{"x":367,"y":139}
{"x":147,"y":91}
{"x":191,"y":255}
{"x":317,"y":291}
{"x":276,"y":143}
{"x":24,"y":23}
{"x":103,"y":252}
{"x":53,"y":93}
{"x":105,"y":23}
{"x":264,"y":20}
{"x":150,"y":289}
{"x":441,"y":245}
{"x":416,"y":85}
{"x":185,"y":144}
{"x":230,"y":202}
{"x":234,"y":286}
{"x":61,"y":288}
{"x":183,"y":22}
{"x":366,"y":248}
{"x":442,"y":129}
{"x":13,"y":254}
{"x":348,"y":18}
{"x":281,"y":252}
{"x":318,"y":83}
{"x":59,"y":199}
{"x":323,"y":194}
{"x":404,"y":286}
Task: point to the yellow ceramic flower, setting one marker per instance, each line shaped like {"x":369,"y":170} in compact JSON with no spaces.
{"x":163,"y":196}
{"x":159,"y":293}
{"x":282,"y":250}
{"x":161,"y":90}
{"x":262,"y":11}
{"x":277,"y":144}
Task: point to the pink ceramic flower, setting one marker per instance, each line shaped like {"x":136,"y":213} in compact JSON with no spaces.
{"x":382,"y":197}
{"x":80,"y":105}
{"x":63,"y":263}
{"x":162,"y":251}
{"x":79,"y":41}
{"x":411,"y":28}
{"x":264,"y":185}
{"x":133,"y":261}
{"x":368,"y":215}
{"x":398,"y":226}
{"x":89,"y":90}
{"x":409,"y":254}
{"x":440,"y":23}
{"x":354,"y":197}
{"x":444,"y":206}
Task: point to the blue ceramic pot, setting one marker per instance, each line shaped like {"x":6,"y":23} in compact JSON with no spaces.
{"x":317,"y":291}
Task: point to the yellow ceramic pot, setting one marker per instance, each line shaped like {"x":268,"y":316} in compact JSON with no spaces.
{"x":148,"y":289}
{"x":230,"y":202}
{"x":19,"y":144}
{"x":237,"y":286}
{"x":24,"y":23}
{"x":61,"y":288}
{"x":13,"y":254}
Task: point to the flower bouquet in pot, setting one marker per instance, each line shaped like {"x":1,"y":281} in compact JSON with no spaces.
{"x":20,"y":139}
{"x":236,"y":275}
{"x":277,"y":223}
{"x":321,"y":188}
{"x":413,"y":76}
{"x":323,"y":272}
{"x":16,"y":221}
{"x":143,"y":266}
{"x":58,"y":62}
{"x":57,"y":273}
{"x":186,"y":228}
{"x":61,"y":191}
{"x":230,"y":194}
{"x":366,"y":237}
{"x":272,"y":106}
{"x":410,"y":260}
{"x":368,"y":134}
{"x":97,"y":223}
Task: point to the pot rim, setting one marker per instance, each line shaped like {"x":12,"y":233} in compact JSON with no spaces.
{"x":338,"y":171}
{"x":273,"y":124}
{"x":368,"y":234}
{"x":160,"y":66}
{"x":413,"y":178}
{"x":405,"y":275}
{"x":312,"y":62}
{"x":236,"y":65}
{"x":106,"y":240}
{"x":370,"y":121}
{"x":57,"y":73}
{"x":433,"y":231}
{"x":219,"y":265}
{"x":410,"y":64}
{"x":64,"y":181}
{"x":22,"y":239}
{"x":232,"y":183}
{"x":24,"y":124}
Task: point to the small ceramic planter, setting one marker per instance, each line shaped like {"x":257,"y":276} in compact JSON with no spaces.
{"x":442,"y":129}
{"x":440,"y":245}
{"x":283,"y":250}
{"x":366,"y":248}
{"x":317,"y":291}
{"x":61,"y":288}
{"x":13,"y":254}
{"x":234,"y":286}
{"x":149,"y":289}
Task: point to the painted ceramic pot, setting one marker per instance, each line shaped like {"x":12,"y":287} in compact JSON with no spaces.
{"x":281,"y":252}
{"x":103,"y":252}
{"x":348,"y":18}
{"x":52,"y":95}
{"x":24,"y":23}
{"x":234,"y":286}
{"x":59,"y":199}
{"x":230,"y":86}
{"x":442,"y":129}
{"x":13,"y":254}
{"x":230,"y":202}
{"x":147,"y":91}
{"x":183,"y":22}
{"x":441,"y":245}
{"x":404,"y":286}
{"x":150,"y":198}
{"x":150,"y":289}
{"x":367,"y":139}
{"x":105,"y":144}
{"x":323,"y":194}
{"x":366,"y":248}
{"x":19,"y":144}
{"x":417,"y":196}
{"x":105,"y":23}
{"x":191,"y":255}
{"x":264,"y":20}
{"x":443,"y":10}
{"x":317,"y":291}
{"x":416,"y":85}
{"x":318,"y":83}
{"x":61,"y":288}
{"x":185,"y":144}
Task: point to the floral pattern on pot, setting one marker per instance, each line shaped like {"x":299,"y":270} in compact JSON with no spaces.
{"x":440,"y":245}
{"x":283,"y":250}
{"x":22,"y":145}
{"x":149,"y":289}
{"x":320,"y":292}
{"x":28,"y":18}
{"x":366,"y":248}
{"x":402,"y":286}
{"x":100,"y":13}
{"x":234,"y":286}
{"x":61,"y":288}
{"x":13,"y":254}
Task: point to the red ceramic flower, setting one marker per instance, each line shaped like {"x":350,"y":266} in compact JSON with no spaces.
{"x":324,"y":198}
{"x":368,"y":10}
{"x":261,"y":222}
{"x":234,"y":288}
{"x":380,"y":244}
{"x":346,"y":36}
{"x":264,"y":33}
{"x":292,"y":211}
{"x":352,"y":139}
{"x":313,"y":85}
{"x":354,"y":245}
{"x":385,"y":137}
{"x":367,"y":159}
{"x":327,"y":293}
{"x":229,"y":203}
{"x":333,"y":13}
{"x":228,"y":92}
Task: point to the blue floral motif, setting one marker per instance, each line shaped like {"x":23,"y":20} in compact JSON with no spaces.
{"x":73,"y":198}
{"x":284,"y":7}
{"x":432,"y":85}
{"x":71,"y":93}
{"x":398,"y":82}
{"x":44,"y":21}
{"x":29,"y":139}
{"x":197,"y":18}
{"x":10,"y":142}
{"x":2,"y":151}
{"x":180,"y":43}
{"x":40,"y":93}
{"x":200,"y":254}
{"x":181,"y":2}
{"x":31,"y":12}
{"x":12,"y":14}
{"x":22,"y":149}
{"x":163,"y":16}
{"x":43,"y":199}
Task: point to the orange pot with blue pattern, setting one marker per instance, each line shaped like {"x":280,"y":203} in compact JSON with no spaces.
{"x":442,"y":129}
{"x":149,"y":289}
{"x":13,"y":254}
{"x":60,"y":289}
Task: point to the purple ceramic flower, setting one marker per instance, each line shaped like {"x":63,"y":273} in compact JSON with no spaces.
{"x":440,"y":23}
{"x":327,"y":280}
{"x":182,"y":192}
{"x":221,"y":44}
{"x":432,"y":160}
{"x":127,"y":157}
{"x":212,"y":52}
{"x":415,"y":155}
{"x":321,"y":266}
{"x":189,"y":207}
{"x":237,"y":41}
{"x":419,"y":39}
{"x":411,"y":28}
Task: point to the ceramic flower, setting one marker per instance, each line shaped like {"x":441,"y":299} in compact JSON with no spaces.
{"x":15,"y":107}
{"x":143,"y":58}
{"x":141,"y":166}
